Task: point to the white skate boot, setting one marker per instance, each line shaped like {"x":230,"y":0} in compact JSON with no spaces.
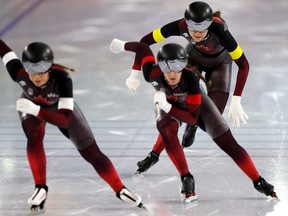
{"x":130,"y":198}
{"x":38,"y":198}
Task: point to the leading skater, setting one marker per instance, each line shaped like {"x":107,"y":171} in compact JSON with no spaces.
{"x":209,"y":120}
{"x":48,"y":97}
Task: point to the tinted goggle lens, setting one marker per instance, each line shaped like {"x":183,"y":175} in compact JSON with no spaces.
{"x":199,"y":27}
{"x":172,"y":65}
{"x":39,"y":67}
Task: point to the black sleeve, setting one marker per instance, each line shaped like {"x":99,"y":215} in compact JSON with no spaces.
{"x":193,"y":87}
{"x":157,"y":35}
{"x":65,"y":86}
{"x":225,"y":37}
{"x":14,"y":65}
{"x":171,"y":29}
{"x":228,"y":41}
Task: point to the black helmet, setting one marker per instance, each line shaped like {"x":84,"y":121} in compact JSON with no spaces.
{"x":172,"y":57}
{"x":198,"y":16}
{"x":37,"y":57}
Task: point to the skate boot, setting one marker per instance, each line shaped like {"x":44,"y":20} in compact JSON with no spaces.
{"x":148,"y":162}
{"x":264,"y":187}
{"x":189,"y":135}
{"x":130,"y":198}
{"x":38,"y":198}
{"x":188,"y":188}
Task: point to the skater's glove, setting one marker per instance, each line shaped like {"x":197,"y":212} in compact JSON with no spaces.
{"x":133,"y":81}
{"x":117,"y":46}
{"x":161,"y":101}
{"x":236,"y":112}
{"x":26,"y":106}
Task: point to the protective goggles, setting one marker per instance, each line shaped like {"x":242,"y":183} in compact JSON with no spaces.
{"x":176,"y":65}
{"x":199,"y":27}
{"x":37,"y":68}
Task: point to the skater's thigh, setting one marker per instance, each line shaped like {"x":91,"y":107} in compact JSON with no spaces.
{"x":220,"y":78}
{"x":79,"y":132}
{"x":214,"y":123}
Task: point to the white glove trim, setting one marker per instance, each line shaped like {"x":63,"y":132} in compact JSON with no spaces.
{"x":8,"y":57}
{"x":135,"y":74}
{"x":66,"y":103}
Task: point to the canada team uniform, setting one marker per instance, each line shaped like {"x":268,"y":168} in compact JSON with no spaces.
{"x":58,"y":107}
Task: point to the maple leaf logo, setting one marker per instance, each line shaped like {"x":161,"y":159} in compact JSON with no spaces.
{"x":39,"y":99}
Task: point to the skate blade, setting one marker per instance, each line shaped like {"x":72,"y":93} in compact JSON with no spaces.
{"x":273,"y":198}
{"x":191,"y":198}
{"x":274,"y":195}
{"x":138,"y":172}
{"x":141,"y":206}
{"x":37,"y":210}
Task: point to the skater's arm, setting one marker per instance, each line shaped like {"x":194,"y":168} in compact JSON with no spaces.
{"x":193,"y":108}
{"x":156,"y":36}
{"x":239,"y":58}
{"x":142,"y":49}
{"x":183,"y":115}
{"x":236,"y":112}
{"x":11,"y":61}
{"x":61,"y":118}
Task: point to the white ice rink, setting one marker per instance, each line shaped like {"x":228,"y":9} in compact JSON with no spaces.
{"x":80,"y":33}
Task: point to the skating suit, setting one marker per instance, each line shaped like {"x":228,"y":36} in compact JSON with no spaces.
{"x":59,"y":109}
{"x":185,"y":98}
{"x":48,"y":96}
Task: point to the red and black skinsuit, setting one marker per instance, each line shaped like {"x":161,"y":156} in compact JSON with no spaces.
{"x":57,"y":108}
{"x":209,"y":117}
{"x":185,"y":98}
